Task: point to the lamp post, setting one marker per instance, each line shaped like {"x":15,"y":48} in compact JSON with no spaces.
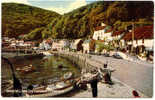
{"x":132,"y":36}
{"x":17,"y":86}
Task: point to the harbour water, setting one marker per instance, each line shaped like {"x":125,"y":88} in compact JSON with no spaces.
{"x":46,"y":70}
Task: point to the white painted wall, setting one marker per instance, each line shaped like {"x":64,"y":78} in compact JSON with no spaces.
{"x":57,"y":46}
{"x":86,"y":47}
{"x":123,"y":42}
{"x":102,"y":35}
{"x":147,"y":43}
{"x":117,"y":37}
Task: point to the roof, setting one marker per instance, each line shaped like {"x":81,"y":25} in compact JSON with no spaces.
{"x":115,"y":33}
{"x":48,"y":41}
{"x":100,"y":28}
{"x":108,"y":30}
{"x":144,"y":32}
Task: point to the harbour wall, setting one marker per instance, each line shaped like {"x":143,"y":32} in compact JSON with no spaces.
{"x":82,"y":61}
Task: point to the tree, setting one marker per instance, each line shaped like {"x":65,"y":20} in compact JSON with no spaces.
{"x":35,"y":34}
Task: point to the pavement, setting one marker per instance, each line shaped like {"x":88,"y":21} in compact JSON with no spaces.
{"x":138,"y":75}
{"x":118,"y":90}
{"x":129,"y":75}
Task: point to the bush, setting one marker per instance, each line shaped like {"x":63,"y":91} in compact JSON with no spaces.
{"x":100,"y":46}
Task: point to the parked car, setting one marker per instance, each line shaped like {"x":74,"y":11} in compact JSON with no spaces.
{"x":106,"y":54}
{"x":116,"y":55}
{"x":92,"y":53}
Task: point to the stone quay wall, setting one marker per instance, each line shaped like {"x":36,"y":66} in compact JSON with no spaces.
{"x":82,"y":61}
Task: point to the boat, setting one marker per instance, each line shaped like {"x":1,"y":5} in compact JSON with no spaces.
{"x":54,"y":89}
{"x":46,"y":53}
{"x":67,"y":76}
{"x":26,"y":69}
{"x":53,"y":93}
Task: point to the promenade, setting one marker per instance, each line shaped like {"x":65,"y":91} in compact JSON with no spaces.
{"x":121,"y":88}
{"x":136,"y":74}
{"x":118,"y":90}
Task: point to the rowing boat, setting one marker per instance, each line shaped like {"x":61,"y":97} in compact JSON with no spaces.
{"x":54,"y":89}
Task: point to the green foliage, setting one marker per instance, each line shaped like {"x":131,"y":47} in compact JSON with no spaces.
{"x":101,"y":45}
{"x":46,"y":33}
{"x":21,"y":19}
{"x":35,"y":34}
{"x":80,"y":23}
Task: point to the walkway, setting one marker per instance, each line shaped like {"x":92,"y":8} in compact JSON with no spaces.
{"x":137,"y":75}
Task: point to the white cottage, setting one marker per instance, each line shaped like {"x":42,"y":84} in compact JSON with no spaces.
{"x":86,"y":46}
{"x":117,"y":38}
{"x":143,"y":36}
{"x":60,"y":45}
{"x":103,"y":32}
{"x":44,"y":45}
{"x":56,"y":46}
{"x":117,"y":35}
{"x":77,"y":45}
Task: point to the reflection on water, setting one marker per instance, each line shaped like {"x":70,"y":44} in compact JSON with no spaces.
{"x":45,"y":70}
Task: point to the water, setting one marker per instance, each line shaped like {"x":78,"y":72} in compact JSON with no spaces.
{"x":45,"y":71}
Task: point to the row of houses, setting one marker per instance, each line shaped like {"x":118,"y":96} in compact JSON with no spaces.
{"x":140,"y":37}
{"x":65,"y":45}
{"x":14,"y":43}
{"x":143,"y":39}
{"x":54,"y":44}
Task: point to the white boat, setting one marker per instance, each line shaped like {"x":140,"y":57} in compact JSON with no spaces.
{"x":50,"y":90}
{"x":67,"y":75}
{"x":46,"y":53}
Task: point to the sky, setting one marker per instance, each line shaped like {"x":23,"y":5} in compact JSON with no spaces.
{"x":59,"y":6}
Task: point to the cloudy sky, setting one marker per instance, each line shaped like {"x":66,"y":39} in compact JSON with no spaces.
{"x":60,"y":6}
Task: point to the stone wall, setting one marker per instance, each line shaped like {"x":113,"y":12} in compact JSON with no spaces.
{"x":82,"y":61}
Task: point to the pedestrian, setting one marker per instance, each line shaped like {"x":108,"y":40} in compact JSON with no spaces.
{"x":93,"y":84}
{"x":147,"y":56}
{"x":29,"y":89}
{"x":106,"y":74}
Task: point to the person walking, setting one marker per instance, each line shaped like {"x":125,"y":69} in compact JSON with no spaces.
{"x":147,"y":56}
{"x":93,"y":84}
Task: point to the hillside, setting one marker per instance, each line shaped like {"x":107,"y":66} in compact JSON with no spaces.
{"x":20,"y":19}
{"x":81,"y":22}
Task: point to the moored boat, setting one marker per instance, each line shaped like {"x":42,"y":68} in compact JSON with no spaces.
{"x":54,"y":89}
{"x":67,"y":75}
{"x":26,"y":69}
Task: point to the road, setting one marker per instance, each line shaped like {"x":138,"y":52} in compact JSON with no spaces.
{"x":138,"y":75}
